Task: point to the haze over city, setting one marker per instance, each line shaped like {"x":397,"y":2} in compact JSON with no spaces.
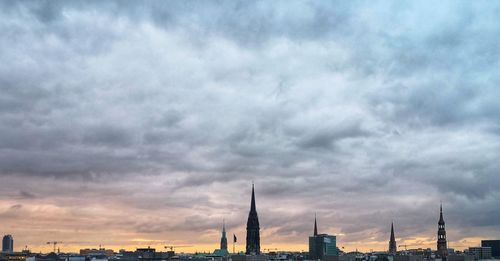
{"x":133,"y":124}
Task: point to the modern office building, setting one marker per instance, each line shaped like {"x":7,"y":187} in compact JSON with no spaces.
{"x":495,"y":247}
{"x":322,"y":246}
{"x":253,"y":229}
{"x":480,"y":252}
{"x":8,"y":244}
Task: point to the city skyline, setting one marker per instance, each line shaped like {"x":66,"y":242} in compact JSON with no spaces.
{"x":132,"y":124}
{"x":253,"y":245}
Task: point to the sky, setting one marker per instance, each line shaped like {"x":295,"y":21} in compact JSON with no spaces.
{"x":130,"y":124}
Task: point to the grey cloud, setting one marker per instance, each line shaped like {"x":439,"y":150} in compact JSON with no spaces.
{"x":26,"y":194}
{"x":362,"y":113}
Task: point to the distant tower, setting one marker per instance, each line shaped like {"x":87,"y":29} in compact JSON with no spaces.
{"x":442,"y":249}
{"x":253,"y":229}
{"x":315,"y":226}
{"x":392,"y":241}
{"x":7,"y":244}
{"x":223,"y":239}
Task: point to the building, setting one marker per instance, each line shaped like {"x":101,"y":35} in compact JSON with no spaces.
{"x":322,"y":246}
{"x":13,"y":256}
{"x":48,"y":257}
{"x":459,"y":258}
{"x":97,"y":252}
{"x":222,"y":251}
{"x":392,"y":242}
{"x":408,"y":258}
{"x":8,"y":244}
{"x":442,"y":246}
{"x":249,"y":258}
{"x":480,"y":252}
{"x":495,"y":247}
{"x":253,"y":229}
{"x":223,"y":239}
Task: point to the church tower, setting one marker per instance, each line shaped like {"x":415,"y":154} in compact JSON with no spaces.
{"x":253,"y":229}
{"x":392,"y":242}
{"x":442,"y":249}
{"x":223,"y":239}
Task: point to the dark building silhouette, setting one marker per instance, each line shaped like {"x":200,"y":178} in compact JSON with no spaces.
{"x":392,"y":241}
{"x":442,"y":248}
{"x":253,"y":229}
{"x":315,"y":226}
{"x":223,"y":239}
{"x":495,"y":247}
{"x":322,"y":246}
{"x":7,"y":244}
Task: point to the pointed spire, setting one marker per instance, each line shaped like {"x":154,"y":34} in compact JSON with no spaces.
{"x":315,"y":226}
{"x":223,"y":239}
{"x":392,"y":231}
{"x":441,"y":219}
{"x":442,"y":245}
{"x":252,"y":204}
{"x":253,"y":229}
{"x":392,"y":241}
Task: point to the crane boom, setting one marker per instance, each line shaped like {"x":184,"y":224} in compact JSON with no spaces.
{"x":54,"y":243}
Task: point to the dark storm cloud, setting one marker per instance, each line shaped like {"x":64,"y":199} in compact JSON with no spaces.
{"x":361,"y":113}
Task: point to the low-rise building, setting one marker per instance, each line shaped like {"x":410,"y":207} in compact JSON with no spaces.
{"x":97,"y":252}
{"x":480,"y":252}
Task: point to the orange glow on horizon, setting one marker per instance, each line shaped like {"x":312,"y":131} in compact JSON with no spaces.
{"x":239,"y":247}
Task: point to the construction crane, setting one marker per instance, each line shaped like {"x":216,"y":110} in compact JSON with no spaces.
{"x":54,"y":243}
{"x":174,"y":247}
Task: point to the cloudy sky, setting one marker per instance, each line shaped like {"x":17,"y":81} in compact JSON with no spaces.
{"x":131,"y":124}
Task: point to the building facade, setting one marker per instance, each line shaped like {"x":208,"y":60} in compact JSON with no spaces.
{"x":442,"y":245}
{"x":7,"y":244}
{"x":480,"y":252}
{"x":495,"y":247}
{"x":253,"y":229}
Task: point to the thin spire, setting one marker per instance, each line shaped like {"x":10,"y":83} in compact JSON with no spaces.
{"x":252,"y":205}
{"x":315,"y":226}
{"x":393,"y":238}
{"x":223,"y":239}
{"x":441,"y":219}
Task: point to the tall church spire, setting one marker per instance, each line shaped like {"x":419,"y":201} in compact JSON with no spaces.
{"x":392,"y":241}
{"x":315,"y":226}
{"x":252,"y":204}
{"x":442,"y":248}
{"x":253,"y":229}
{"x":223,"y":239}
